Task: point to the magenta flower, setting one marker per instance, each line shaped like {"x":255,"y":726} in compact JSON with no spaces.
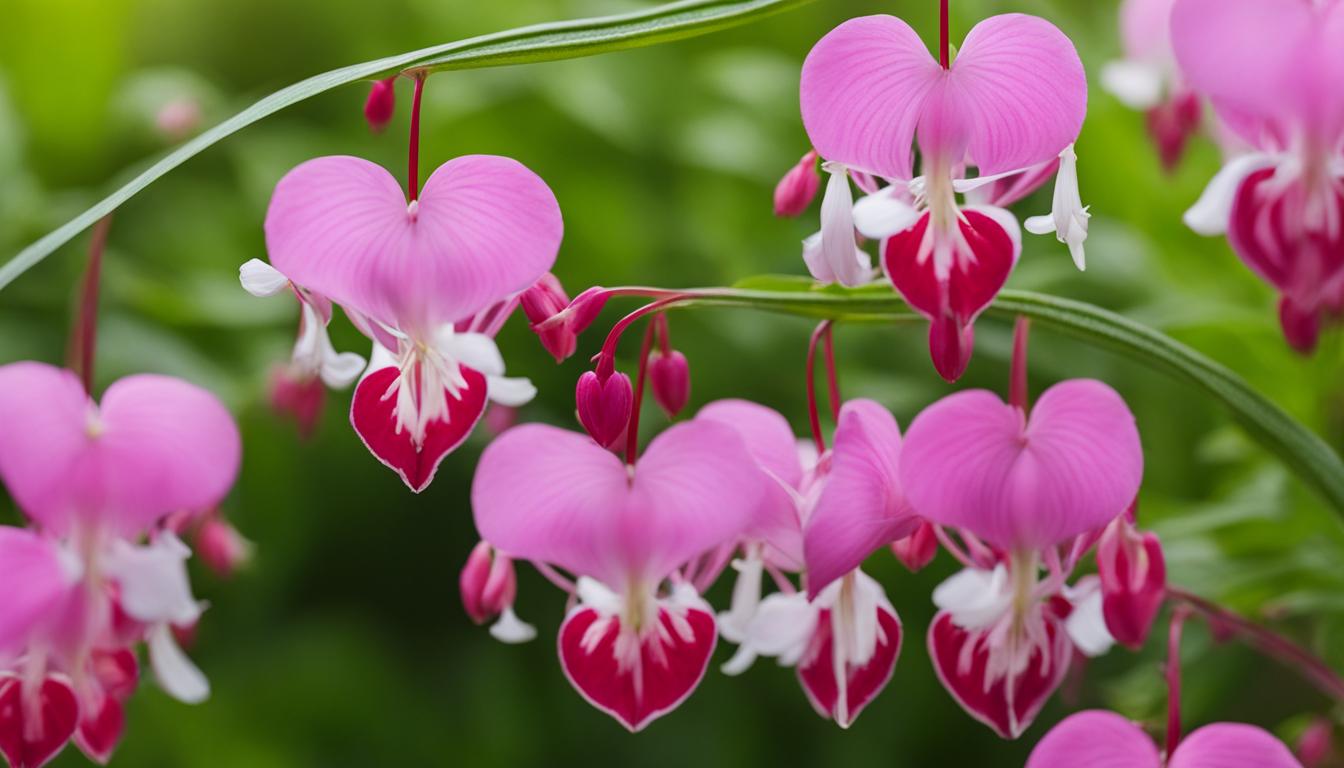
{"x":429,"y":281}
{"x":1101,"y":738}
{"x":1133,"y":576}
{"x":1011,"y":105}
{"x":638,"y":639}
{"x":103,"y":573}
{"x":1273,"y":72}
{"x":1024,"y":484}
{"x":841,"y":633}
{"x":795,"y":190}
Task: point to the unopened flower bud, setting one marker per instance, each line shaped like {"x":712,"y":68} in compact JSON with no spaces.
{"x":299,"y":397}
{"x":1316,"y":744}
{"x":1172,"y":124}
{"x":221,"y":547}
{"x":670,"y":376}
{"x":382,"y":102}
{"x":489,"y":586}
{"x":1133,"y":581}
{"x":604,"y":406}
{"x":918,"y":549}
{"x":543,"y":301}
{"x":795,"y":191}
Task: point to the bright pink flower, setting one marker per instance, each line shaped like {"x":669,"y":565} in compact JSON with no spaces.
{"x":1101,"y":738}
{"x":1013,"y":100}
{"x":423,"y":280}
{"x":544,"y":300}
{"x":670,"y":375}
{"x":488,"y":585}
{"x":1273,"y":72}
{"x":604,"y":407}
{"x":918,"y":549}
{"x":221,"y":547}
{"x":842,"y":633}
{"x":633,"y":649}
{"x":794,"y":192}
{"x":1133,"y":581}
{"x":381,"y":103}
{"x":1316,"y":744}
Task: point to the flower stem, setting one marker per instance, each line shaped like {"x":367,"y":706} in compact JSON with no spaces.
{"x":413,"y":155}
{"x":632,"y":429}
{"x":1266,"y":641}
{"x":1017,"y":383}
{"x":832,"y":384}
{"x":1173,"y":671}
{"x":813,"y":416}
{"x":943,"y":42}
{"x":84,"y":332}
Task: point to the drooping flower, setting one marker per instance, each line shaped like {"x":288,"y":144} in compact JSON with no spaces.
{"x":636,"y":642}
{"x":841,"y":632}
{"x":1273,"y":72}
{"x":99,"y":480}
{"x":1147,"y":78}
{"x":1133,"y":576}
{"x":381,"y":103}
{"x":544,"y":300}
{"x":670,"y":377}
{"x":488,"y":585}
{"x":794,"y":192}
{"x":1011,"y":104}
{"x":425,"y":280}
{"x":1097,"y":737}
{"x":1018,"y":486}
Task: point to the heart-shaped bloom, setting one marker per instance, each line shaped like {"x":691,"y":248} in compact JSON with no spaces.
{"x":1133,"y":575}
{"x":1274,"y":74}
{"x":633,"y":649}
{"x":423,"y":280}
{"x":1011,"y":103}
{"x":1101,"y":738}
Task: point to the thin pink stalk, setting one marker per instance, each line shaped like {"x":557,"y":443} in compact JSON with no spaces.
{"x":944,"y":43}
{"x":813,"y":416}
{"x":84,"y":333}
{"x":1173,"y":671}
{"x":632,"y":429}
{"x":781,"y":581}
{"x":832,"y":383}
{"x":1268,"y":642}
{"x":1017,"y":385}
{"x":413,"y":160}
{"x":978,"y":549}
{"x":713,"y":567}
{"x":664,"y":334}
{"x":614,"y":335}
{"x":555,"y":577}
{"x":952,"y":547}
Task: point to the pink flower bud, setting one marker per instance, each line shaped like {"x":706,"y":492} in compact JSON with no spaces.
{"x":299,"y":398}
{"x":1133,"y":581}
{"x":1316,"y":744}
{"x":543,"y":301}
{"x":671,"y":378}
{"x":1171,"y":124}
{"x":916,"y":550}
{"x":488,"y":583}
{"x":604,"y":406}
{"x":1301,"y":327}
{"x":382,"y":102}
{"x":585,"y":308}
{"x":794,"y":192}
{"x":221,"y":547}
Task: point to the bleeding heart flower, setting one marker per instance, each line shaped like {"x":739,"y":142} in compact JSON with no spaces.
{"x":794,"y":192}
{"x":1272,"y":70}
{"x":381,"y":104}
{"x":35,"y":723}
{"x":420,"y":279}
{"x":670,"y":375}
{"x":1133,"y":581}
{"x":1098,"y":737}
{"x":1012,"y":101}
{"x":604,"y":406}
{"x":544,"y":300}
{"x":489,"y":585}
{"x":554,"y":497}
{"x":918,"y":549}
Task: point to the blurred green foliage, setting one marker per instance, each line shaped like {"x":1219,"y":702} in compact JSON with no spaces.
{"x":344,"y":644}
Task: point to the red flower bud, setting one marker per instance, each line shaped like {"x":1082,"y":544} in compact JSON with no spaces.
{"x":1171,"y":124}
{"x":382,"y":102}
{"x":543,"y":301}
{"x":1133,"y":581}
{"x":670,"y":376}
{"x":917,"y":550}
{"x":1316,"y":744}
{"x":221,"y":547}
{"x":604,"y":406}
{"x":794,"y":192}
{"x":488,"y":583}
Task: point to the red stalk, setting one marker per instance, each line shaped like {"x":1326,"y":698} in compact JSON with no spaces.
{"x":1173,"y":671}
{"x":832,"y":384}
{"x":84,"y":333}
{"x":413,"y":161}
{"x":944,"y":57}
{"x":632,"y":429}
{"x":814,"y":418}
{"x":1017,"y":383}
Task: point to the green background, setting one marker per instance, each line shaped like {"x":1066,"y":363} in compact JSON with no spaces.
{"x":344,"y":643}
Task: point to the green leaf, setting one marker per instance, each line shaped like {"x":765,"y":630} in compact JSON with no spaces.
{"x":541,"y":42}
{"x":1300,"y":449}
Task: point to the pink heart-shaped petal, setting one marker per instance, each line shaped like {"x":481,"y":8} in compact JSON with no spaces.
{"x":668,"y":666}
{"x":1096,"y":739}
{"x":862,"y":684}
{"x":31,"y":745}
{"x":100,"y":731}
{"x":484,"y":228}
{"x":373,"y":414}
{"x":1232,"y":745}
{"x":604,"y":406}
{"x":1010,"y":703}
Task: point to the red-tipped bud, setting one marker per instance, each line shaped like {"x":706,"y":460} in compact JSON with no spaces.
{"x":1316,"y":744}
{"x":1171,"y":124}
{"x":951,"y":344}
{"x":382,"y":102}
{"x":916,"y":550}
{"x":604,"y":406}
{"x":488,"y":583}
{"x":1301,"y":327}
{"x":543,"y":301}
{"x":298,"y":397}
{"x":794,"y":192}
{"x":670,"y":375}
{"x":221,"y":547}
{"x":1133,"y":581}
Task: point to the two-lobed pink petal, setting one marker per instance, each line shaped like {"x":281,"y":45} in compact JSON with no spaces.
{"x":484,"y":227}
{"x":1100,"y":739}
{"x":31,"y":567}
{"x":972,"y":461}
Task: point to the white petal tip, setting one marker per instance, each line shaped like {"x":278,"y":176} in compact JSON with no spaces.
{"x":1040,"y":225}
{"x":261,"y":279}
{"x":511,"y":629}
